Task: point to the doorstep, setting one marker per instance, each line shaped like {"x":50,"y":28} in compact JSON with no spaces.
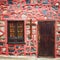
{"x":4,"y":57}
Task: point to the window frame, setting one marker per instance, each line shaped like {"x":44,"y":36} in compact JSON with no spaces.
{"x":19,"y":41}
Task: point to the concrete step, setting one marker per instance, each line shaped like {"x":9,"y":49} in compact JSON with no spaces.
{"x":18,"y":58}
{"x":48,"y":58}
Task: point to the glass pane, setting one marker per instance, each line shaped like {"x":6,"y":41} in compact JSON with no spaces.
{"x":20,"y":27}
{"x":16,"y":31}
{"x":12,"y":29}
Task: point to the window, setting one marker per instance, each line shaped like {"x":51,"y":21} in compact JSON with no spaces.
{"x":15,"y":32}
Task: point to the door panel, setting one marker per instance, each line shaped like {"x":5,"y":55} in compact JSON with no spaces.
{"x":46,"y":38}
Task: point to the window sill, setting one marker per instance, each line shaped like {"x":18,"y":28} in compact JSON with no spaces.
{"x":16,"y":42}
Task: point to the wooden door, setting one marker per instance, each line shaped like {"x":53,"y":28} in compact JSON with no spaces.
{"x":47,"y":37}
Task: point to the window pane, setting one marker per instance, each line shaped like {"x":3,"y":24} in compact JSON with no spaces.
{"x":12,"y":29}
{"x":20,"y":27}
{"x":15,"y":31}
